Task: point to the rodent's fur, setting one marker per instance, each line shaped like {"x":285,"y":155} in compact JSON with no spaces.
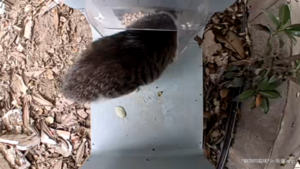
{"x":117,"y":65}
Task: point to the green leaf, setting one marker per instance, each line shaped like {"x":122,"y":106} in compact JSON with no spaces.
{"x":262,"y":27}
{"x":298,"y":64}
{"x":230,"y":75}
{"x":273,"y":18}
{"x":273,"y":94}
{"x":281,"y":41}
{"x":272,"y":85}
{"x":293,"y":39}
{"x":237,"y":82}
{"x":253,"y":104}
{"x":284,"y":14}
{"x":269,"y":48}
{"x":293,"y":30}
{"x":265,"y":105}
{"x":264,"y":84}
{"x":246,"y":94}
{"x":273,"y":79}
{"x":286,"y":25}
{"x":231,"y":68}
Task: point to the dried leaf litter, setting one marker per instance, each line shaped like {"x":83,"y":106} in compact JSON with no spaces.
{"x":38,"y":42}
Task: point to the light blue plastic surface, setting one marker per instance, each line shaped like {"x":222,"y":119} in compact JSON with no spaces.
{"x":163,"y":132}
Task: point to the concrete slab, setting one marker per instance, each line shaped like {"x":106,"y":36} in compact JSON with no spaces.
{"x":257,"y":6}
{"x":261,"y":136}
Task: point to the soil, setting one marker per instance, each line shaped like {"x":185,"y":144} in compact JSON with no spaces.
{"x":37,"y":46}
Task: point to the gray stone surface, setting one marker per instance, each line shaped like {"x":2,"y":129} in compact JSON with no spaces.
{"x":270,"y":136}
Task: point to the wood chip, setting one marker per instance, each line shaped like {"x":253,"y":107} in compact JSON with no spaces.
{"x":47,"y":130}
{"x":82,"y":113}
{"x":20,"y":48}
{"x":22,"y":141}
{"x":26,"y":114}
{"x":18,"y":85}
{"x":40,"y":100}
{"x":28,"y":29}
{"x":18,"y":56}
{"x":55,"y":19}
{"x":11,"y":154}
{"x":65,"y":149}
{"x":27,"y":8}
{"x":58,"y":164}
{"x":80,"y":152}
{"x":49,"y":74}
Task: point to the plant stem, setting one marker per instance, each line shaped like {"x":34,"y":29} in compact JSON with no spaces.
{"x":292,"y":79}
{"x":276,"y":62}
{"x":287,"y":59}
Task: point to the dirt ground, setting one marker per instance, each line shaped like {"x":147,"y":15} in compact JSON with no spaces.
{"x":37,"y":45}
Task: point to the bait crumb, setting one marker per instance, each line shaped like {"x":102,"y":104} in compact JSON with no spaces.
{"x":120,"y":112}
{"x":160,"y":93}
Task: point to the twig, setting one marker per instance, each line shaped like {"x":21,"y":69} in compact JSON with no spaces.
{"x":276,"y":62}
{"x":243,"y":62}
{"x":292,"y":79}
{"x":287,"y":59}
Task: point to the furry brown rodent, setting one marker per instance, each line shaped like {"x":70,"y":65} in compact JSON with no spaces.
{"x":117,"y":65}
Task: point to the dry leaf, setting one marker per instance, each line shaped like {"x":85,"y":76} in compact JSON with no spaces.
{"x":215,"y":133}
{"x":18,"y":85}
{"x":221,"y":61}
{"x":258,"y":100}
{"x":206,"y":114}
{"x":210,"y":47}
{"x":234,"y":43}
{"x":224,"y":93}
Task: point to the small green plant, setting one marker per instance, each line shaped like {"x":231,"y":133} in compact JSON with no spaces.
{"x":270,"y":71}
{"x":265,"y":90}
{"x":282,"y":24}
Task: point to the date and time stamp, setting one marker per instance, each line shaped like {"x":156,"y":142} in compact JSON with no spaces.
{"x":278,"y":161}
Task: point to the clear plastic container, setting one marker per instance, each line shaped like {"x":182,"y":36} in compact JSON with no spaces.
{"x":112,"y":16}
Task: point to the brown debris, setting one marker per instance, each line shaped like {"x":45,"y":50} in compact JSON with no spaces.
{"x":225,"y":43}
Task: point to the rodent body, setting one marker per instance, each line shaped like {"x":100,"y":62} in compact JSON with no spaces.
{"x":117,"y":65}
